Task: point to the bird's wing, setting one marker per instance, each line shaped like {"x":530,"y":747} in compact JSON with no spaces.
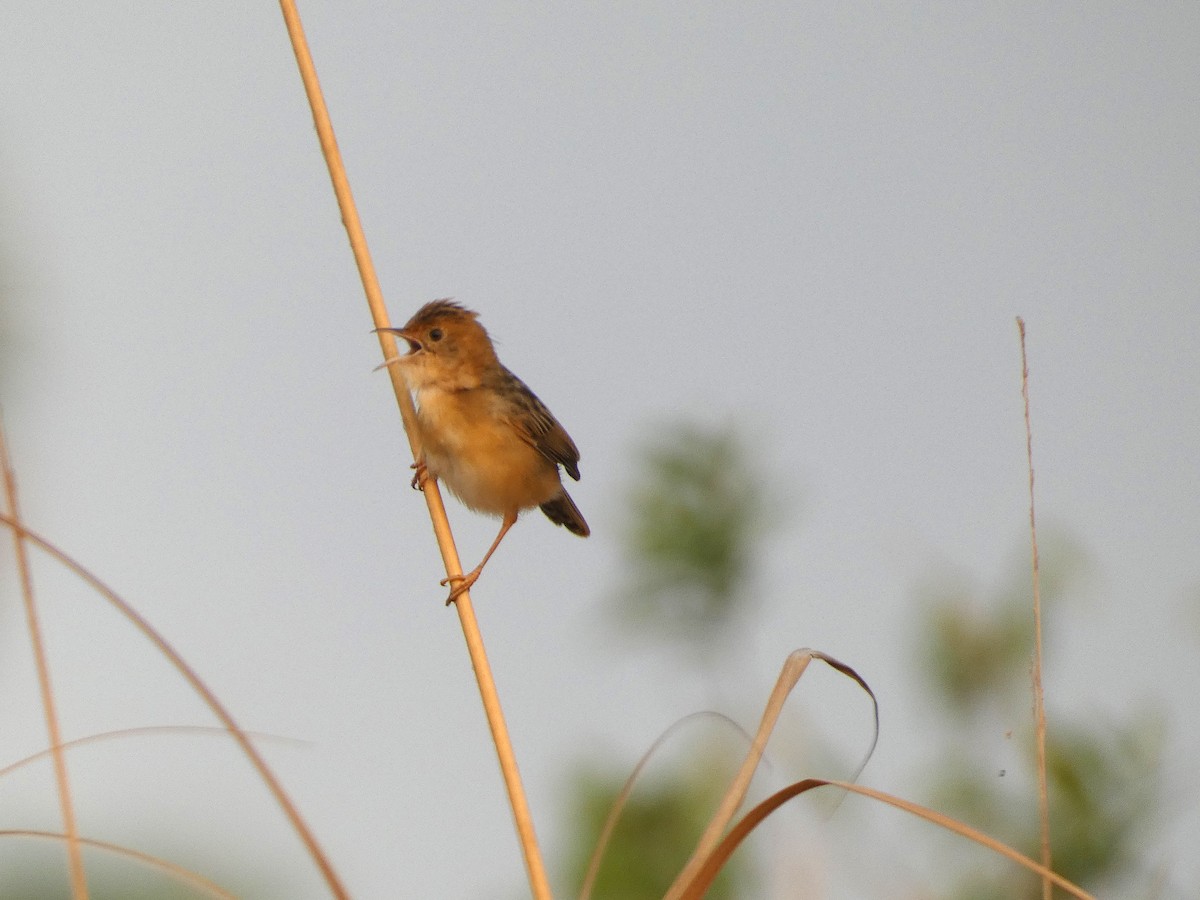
{"x":536,"y":426}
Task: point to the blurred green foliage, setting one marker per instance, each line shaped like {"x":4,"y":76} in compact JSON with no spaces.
{"x":692,"y":540}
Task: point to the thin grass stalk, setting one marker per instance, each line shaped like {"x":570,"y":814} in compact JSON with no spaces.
{"x":522,"y":817}
{"x":1039,"y":699}
{"x":79,"y":888}
{"x":268,"y":777}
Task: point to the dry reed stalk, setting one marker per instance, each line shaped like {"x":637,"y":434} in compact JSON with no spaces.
{"x":523,"y":819}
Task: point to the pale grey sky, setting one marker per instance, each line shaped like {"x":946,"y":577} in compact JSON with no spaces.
{"x":817,"y":221}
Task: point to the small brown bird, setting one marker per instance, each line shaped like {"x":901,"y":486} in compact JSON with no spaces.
{"x":482,"y":431}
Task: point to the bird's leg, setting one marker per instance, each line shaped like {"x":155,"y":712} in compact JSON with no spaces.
{"x":462,"y":582}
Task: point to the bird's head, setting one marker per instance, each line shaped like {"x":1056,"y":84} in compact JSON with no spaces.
{"x":447,"y":347}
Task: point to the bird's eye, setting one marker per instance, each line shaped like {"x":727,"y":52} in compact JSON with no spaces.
{"x":435,"y":334}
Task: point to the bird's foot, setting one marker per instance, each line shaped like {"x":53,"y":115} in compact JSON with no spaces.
{"x":459,"y":584}
{"x":419,"y":479}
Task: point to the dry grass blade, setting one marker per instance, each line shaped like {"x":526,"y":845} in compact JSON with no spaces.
{"x":614,"y":814}
{"x":704,"y":877}
{"x":522,"y":817}
{"x":79,"y":889}
{"x":793,"y":668}
{"x":186,"y":876}
{"x":264,"y":772}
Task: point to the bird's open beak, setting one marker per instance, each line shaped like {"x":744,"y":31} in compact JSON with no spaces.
{"x":413,"y":344}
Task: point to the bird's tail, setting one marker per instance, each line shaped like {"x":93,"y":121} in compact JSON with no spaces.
{"x":561,"y":510}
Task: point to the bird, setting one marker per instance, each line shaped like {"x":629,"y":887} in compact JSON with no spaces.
{"x":482,"y":432}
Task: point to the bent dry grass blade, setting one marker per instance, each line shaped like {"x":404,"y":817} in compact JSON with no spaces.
{"x":705,"y":874}
{"x":618,"y":806}
{"x":793,"y":668}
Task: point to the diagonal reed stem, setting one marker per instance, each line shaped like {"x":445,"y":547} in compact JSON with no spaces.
{"x":522,"y":817}
{"x":79,"y":888}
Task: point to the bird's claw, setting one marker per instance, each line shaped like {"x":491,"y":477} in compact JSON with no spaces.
{"x":419,"y":479}
{"x":461,"y":583}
